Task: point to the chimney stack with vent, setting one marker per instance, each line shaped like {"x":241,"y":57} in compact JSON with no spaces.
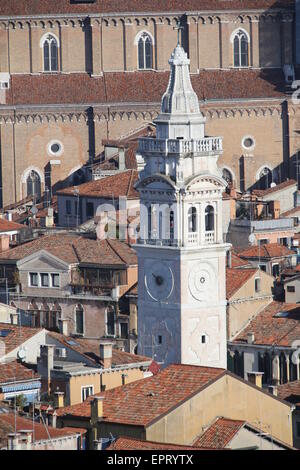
{"x":273,"y":390}
{"x":250,"y":338}
{"x":106,"y":354}
{"x":45,"y":366}
{"x":96,"y":409}
{"x":4,"y":243}
{"x":59,"y":399}
{"x":255,"y":378}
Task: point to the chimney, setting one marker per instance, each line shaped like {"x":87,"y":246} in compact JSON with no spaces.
{"x":13,"y":441}
{"x":121,"y":159}
{"x":106,"y":354}
{"x":273,"y":390}
{"x":229,"y":259}
{"x":4,"y":243}
{"x":26,"y":438}
{"x":250,"y":337}
{"x":97,"y":409}
{"x":59,"y":399}
{"x":46,"y":365}
{"x":274,"y":207}
{"x":255,"y":378}
{"x":63,"y":326}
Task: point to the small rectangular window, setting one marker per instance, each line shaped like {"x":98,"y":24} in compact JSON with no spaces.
{"x":124,"y":330}
{"x":55,"y":280}
{"x":34,"y":281}
{"x":257,"y":284}
{"x":291,"y":288}
{"x":159,"y":339}
{"x":45,"y":280}
{"x":203,"y":339}
{"x":86,"y":392}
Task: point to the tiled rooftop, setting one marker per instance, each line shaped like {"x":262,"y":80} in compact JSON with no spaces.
{"x":220,"y":433}
{"x":33,"y":7}
{"x":8,"y":226}
{"x":15,"y":371}
{"x":278,"y":324}
{"x":14,"y":335}
{"x":133,"y":87}
{"x":7,"y":425}
{"x":74,"y":249}
{"x":141,"y":402}
{"x":237,"y":262}
{"x":236,"y":278}
{"x":270,"y":250}
{"x":275,"y":189}
{"x":290,"y":392}
{"x":91,"y":348}
{"x":129,"y":443}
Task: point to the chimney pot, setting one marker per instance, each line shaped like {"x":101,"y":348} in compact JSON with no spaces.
{"x":273,"y":390}
{"x":97,"y":408}
{"x":106,"y":354}
{"x":59,"y":399}
{"x":255,"y":378}
{"x":250,"y":338}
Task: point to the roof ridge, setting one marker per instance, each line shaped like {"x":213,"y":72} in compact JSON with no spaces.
{"x":115,"y":251}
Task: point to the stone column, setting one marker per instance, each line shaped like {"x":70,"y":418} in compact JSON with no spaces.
{"x":224,"y":43}
{"x":36,"y":51}
{"x":276,"y":370}
{"x":130,"y":54}
{"x":96,"y":47}
{"x":287,"y":361}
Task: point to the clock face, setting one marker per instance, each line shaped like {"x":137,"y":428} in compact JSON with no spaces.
{"x":202,"y":281}
{"x":159,"y":281}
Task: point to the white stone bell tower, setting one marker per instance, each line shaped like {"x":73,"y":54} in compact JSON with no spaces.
{"x":181,"y":253}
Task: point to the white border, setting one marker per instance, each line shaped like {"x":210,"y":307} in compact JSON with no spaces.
{"x":55,"y":154}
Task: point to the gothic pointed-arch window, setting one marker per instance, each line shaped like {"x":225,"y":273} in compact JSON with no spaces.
{"x":33,"y":184}
{"x":192,"y":219}
{"x":145,"y":52}
{"x":209,"y":219}
{"x":265,"y":178}
{"x":241,"y":49}
{"x":50,"y":49}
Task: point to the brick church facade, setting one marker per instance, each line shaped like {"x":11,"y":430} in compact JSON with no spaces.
{"x":74,"y":73}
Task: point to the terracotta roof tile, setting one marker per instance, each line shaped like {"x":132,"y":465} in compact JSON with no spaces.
{"x":237,"y":262}
{"x":278,"y":324}
{"x":7,"y":226}
{"x":121,"y":184}
{"x":133,"y":87}
{"x":275,"y":189}
{"x":220,"y":433}
{"x":34,"y":7}
{"x":7,"y":424}
{"x":236,"y":278}
{"x":129,"y":443}
{"x":270,"y":250}
{"x":141,"y":402}
{"x":76,"y":249}
{"x":91,"y":348}
{"x":15,"y":371}
{"x":290,"y":392}
{"x":291,"y":212}
{"x":14,"y":335}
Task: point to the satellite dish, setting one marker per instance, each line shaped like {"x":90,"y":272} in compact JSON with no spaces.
{"x":22,"y":354}
{"x":34,"y":210}
{"x":252,"y":238}
{"x":272,"y":185}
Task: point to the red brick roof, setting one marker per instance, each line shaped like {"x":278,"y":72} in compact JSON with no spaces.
{"x":236,"y":278}
{"x":16,"y":336}
{"x":8,"y":226}
{"x":121,"y":184}
{"x":91,"y":348}
{"x":270,"y":250}
{"x":290,"y":392}
{"x":15,"y":371}
{"x":74,"y":249}
{"x":220,"y":433}
{"x":35,"y":7}
{"x":129,"y":443}
{"x":7,"y":424}
{"x":278,"y":187}
{"x":140,"y":403}
{"x":237,"y":262}
{"x":133,"y":87}
{"x":271,"y":329}
{"x":291,"y":212}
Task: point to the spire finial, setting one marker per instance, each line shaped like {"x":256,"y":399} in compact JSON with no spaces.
{"x":179,"y":28}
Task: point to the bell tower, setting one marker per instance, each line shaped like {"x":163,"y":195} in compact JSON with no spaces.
{"x":181,"y":252}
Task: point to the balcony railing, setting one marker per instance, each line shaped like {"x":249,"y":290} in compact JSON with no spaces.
{"x":182,"y":146}
{"x":210,"y":237}
{"x":77,"y":289}
{"x":195,"y":239}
